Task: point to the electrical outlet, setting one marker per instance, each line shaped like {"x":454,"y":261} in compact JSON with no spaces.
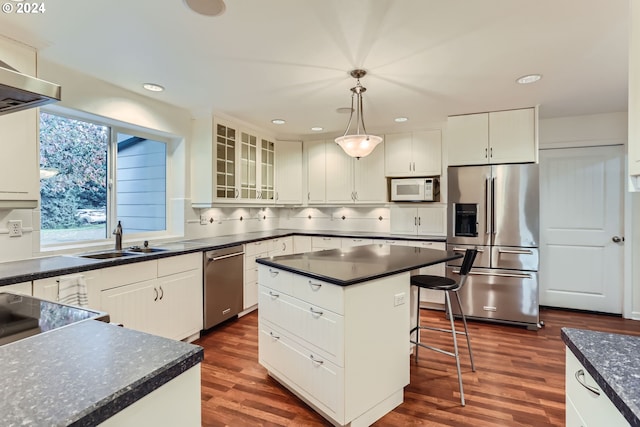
{"x":203,"y":220}
{"x":398,"y":299}
{"x":15,"y":227}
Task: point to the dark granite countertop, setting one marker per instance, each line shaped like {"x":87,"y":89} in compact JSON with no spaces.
{"x":613,"y":360}
{"x":41,"y":268}
{"x":358,"y":264}
{"x":84,"y":373}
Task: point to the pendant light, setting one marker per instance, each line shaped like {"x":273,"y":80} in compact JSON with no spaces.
{"x":357,"y":144}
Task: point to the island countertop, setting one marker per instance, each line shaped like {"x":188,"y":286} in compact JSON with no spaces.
{"x":84,"y":373}
{"x":349,"y":266}
{"x":613,"y":362}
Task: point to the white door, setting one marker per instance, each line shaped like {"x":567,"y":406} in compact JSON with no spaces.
{"x":581,"y":259}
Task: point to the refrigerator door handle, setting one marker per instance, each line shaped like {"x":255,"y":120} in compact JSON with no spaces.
{"x":493,"y":203}
{"x":464,"y":249}
{"x":487,"y":209}
{"x":515,"y":251}
{"x":482,"y":273}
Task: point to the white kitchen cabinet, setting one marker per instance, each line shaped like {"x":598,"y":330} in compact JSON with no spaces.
{"x":634,"y":96}
{"x":425,"y":220}
{"x":19,"y":173}
{"x":288,"y":173}
{"x":252,"y":251}
{"x":316,"y":171}
{"x":230,"y":164}
{"x":48,"y":288}
{"x":24,"y":288}
{"x":585,"y":408}
{"x":346,"y":180}
{"x":492,"y":138}
{"x":302,"y":244}
{"x":413,"y":154}
{"x":311,"y":336}
{"x":319,"y":243}
{"x":281,"y":246}
{"x":180,"y":285}
{"x":161,"y":297}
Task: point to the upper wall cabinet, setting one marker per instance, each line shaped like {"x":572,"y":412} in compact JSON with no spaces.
{"x":336,"y":178}
{"x":634,"y":98}
{"x":19,"y":164}
{"x":495,"y":137}
{"x":413,"y":154}
{"x":230,"y":165}
{"x":288,"y":172}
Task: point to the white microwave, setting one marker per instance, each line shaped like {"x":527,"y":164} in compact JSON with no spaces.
{"x":415,"y":190}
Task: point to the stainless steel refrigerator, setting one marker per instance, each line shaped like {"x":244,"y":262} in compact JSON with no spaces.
{"x":495,"y":208}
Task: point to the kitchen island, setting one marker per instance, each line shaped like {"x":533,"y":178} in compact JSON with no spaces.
{"x":334,"y":326}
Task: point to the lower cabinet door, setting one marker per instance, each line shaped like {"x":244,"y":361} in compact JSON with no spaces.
{"x":135,"y":306}
{"x":180,"y":305}
{"x":311,"y":375}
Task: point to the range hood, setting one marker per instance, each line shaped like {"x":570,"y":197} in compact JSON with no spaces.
{"x":19,"y":91}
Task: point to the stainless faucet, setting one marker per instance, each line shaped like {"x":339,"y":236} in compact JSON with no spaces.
{"x":118,"y":233}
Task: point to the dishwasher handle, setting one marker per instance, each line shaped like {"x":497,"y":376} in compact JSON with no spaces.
{"x":218,"y":258}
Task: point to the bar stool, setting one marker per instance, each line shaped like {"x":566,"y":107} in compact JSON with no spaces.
{"x":447,"y":285}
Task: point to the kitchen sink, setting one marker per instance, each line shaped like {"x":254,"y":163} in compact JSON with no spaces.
{"x":108,"y":255}
{"x":145,"y":250}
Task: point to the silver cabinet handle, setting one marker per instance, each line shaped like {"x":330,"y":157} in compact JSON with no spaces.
{"x":419,"y":220}
{"x":580,"y":379}
{"x":237,"y":193}
{"x":485,"y":153}
{"x":515,"y":251}
{"x":273,"y":294}
{"x":493,"y":205}
{"x":455,"y":249}
{"x":326,"y":238}
{"x":309,"y":195}
{"x":314,"y":360}
{"x":481,"y":273}
{"x":274,"y":336}
{"x":273,"y":273}
{"x":316,"y":312}
{"x":161,"y":292}
{"x":315,"y":286}
{"x":156,"y":291}
{"x":486,"y":206}
{"x":415,"y":220}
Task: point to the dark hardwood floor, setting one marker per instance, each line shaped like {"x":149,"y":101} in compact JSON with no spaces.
{"x":519,"y":378}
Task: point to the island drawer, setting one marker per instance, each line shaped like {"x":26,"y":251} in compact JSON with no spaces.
{"x":596,"y":409}
{"x":320,"y":329}
{"x":319,"y":293}
{"x":275,"y":278}
{"x":308,"y":373}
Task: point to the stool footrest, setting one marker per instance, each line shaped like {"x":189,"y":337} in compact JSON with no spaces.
{"x":439,"y":350}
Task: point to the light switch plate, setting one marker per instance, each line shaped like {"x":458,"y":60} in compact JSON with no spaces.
{"x":398,"y":299}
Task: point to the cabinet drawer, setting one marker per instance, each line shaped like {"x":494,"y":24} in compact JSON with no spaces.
{"x":319,"y":293}
{"x":317,"y":379}
{"x":320,"y":329}
{"x":596,"y":410}
{"x":515,"y":258}
{"x":319,"y":243}
{"x":347,"y":242}
{"x":276,"y":279}
{"x":179,"y":264}
{"x":254,"y":248}
{"x":281,"y":246}
{"x":112,"y":277}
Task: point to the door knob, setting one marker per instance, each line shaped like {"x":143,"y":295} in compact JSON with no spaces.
{"x":617,"y":239}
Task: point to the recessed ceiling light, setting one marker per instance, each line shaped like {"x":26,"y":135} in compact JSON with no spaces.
{"x":317,"y":128}
{"x":206,"y":7}
{"x":400,"y":119}
{"x":153,"y":87}
{"x":529,"y":78}
{"x":278,"y":121}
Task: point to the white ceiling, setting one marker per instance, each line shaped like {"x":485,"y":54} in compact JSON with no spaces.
{"x":289,"y":59}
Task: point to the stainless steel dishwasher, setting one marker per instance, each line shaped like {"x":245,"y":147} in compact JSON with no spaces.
{"x":223,"y":284}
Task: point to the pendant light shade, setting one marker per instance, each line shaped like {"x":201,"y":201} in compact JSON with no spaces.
{"x":358,"y":144}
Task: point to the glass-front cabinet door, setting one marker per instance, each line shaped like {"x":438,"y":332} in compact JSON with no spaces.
{"x":248,"y":165}
{"x":225,"y":162}
{"x":267,"y":164}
